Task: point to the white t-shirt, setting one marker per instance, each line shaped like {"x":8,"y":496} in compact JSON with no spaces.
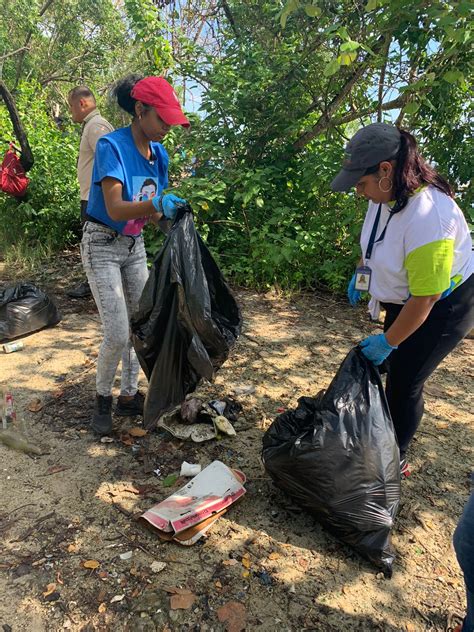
{"x":426,"y":246}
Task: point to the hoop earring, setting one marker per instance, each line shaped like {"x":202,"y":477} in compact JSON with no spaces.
{"x":389,"y":186}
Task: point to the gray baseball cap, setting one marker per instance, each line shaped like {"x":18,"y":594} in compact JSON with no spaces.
{"x":369,"y":146}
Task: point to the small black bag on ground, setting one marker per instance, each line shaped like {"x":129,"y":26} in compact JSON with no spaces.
{"x":337,"y":456}
{"x":187,"y":319}
{"x":24,"y":308}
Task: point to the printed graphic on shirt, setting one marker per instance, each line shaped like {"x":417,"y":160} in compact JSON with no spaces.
{"x":144,"y":188}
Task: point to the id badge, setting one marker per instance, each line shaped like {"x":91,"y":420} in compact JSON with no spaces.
{"x":363,"y":275}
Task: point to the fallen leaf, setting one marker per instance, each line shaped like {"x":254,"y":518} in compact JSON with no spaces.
{"x":170,"y":480}
{"x":102,"y":608}
{"x":230,"y":562}
{"x":137,"y":432}
{"x":245,"y":574}
{"x":157,"y":567}
{"x":127,"y":439}
{"x":182,"y":601}
{"x":274,"y":555}
{"x":35,"y":405}
{"x":218,"y":584}
{"x":103,"y":575}
{"x":234,"y":615}
{"x":303,"y":563}
{"x":101,"y":596}
{"x":50,"y":588}
{"x":246,"y":561}
{"x":145,"y":490}
{"x":92,"y":564}
{"x":73,"y":548}
{"x":117,"y":598}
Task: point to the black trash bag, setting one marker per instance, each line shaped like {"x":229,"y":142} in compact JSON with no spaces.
{"x":25,"y":308}
{"x":187,"y":319}
{"x":337,"y":456}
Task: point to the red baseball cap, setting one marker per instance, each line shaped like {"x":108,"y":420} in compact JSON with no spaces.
{"x":158,"y":93}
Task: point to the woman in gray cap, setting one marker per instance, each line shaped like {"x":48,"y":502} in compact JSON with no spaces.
{"x":417,"y":263}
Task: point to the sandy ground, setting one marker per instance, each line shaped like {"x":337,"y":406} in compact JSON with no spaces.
{"x":79,"y":500}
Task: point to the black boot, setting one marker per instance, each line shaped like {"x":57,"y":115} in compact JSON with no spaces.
{"x":102,"y":418}
{"x":130,"y":407}
{"x":82,"y":290}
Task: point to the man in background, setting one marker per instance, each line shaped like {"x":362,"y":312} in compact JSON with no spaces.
{"x":83,"y":108}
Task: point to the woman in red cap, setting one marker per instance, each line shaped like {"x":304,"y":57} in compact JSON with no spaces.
{"x":129,"y":175}
{"x":417,"y":263}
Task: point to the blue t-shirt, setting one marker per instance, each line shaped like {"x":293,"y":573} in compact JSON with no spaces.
{"x":116,"y":156}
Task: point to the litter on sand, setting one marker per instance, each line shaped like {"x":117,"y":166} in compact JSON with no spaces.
{"x":189,"y":469}
{"x":188,"y":513}
{"x":195,"y":420}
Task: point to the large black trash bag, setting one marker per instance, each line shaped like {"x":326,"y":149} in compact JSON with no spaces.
{"x":25,"y":308}
{"x":187,"y":319}
{"x":337,"y":456}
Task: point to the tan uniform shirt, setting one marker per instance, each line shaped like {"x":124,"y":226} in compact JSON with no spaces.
{"x":93,"y":127}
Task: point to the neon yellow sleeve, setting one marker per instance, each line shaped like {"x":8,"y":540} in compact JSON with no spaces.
{"x":429,"y":267}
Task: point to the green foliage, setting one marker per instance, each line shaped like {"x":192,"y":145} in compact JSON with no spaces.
{"x":283,"y":84}
{"x":49,"y":216}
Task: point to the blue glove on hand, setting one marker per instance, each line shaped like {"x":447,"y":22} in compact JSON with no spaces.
{"x":376,"y":348}
{"x":353,"y":294}
{"x":168,"y":204}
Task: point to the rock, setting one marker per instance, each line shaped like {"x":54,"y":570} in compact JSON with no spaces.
{"x":157,"y":566}
{"x":160,"y":619}
{"x":150,"y":601}
{"x":24,"y":580}
{"x":143,"y":623}
{"x":177,"y":616}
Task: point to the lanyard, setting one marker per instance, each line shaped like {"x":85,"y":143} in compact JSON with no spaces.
{"x":372,"y":240}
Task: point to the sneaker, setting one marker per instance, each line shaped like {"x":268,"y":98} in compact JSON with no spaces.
{"x":404,"y":469}
{"x":130,"y":407}
{"x":82,"y":290}
{"x":102,"y":417}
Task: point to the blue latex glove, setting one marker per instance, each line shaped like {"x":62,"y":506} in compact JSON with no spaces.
{"x":353,"y":294}
{"x":168,"y":204}
{"x":376,"y":348}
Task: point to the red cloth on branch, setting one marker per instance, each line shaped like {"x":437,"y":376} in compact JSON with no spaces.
{"x":13,"y":178}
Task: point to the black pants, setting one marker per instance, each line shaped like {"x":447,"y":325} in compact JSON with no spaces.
{"x":417,"y":357}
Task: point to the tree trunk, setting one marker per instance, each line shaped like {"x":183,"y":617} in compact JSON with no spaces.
{"x":26,"y":157}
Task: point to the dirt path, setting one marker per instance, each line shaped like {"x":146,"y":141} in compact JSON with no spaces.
{"x":78,"y":501}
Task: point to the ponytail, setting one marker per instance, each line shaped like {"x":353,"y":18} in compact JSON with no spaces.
{"x":412,"y":171}
{"x":121,"y":92}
